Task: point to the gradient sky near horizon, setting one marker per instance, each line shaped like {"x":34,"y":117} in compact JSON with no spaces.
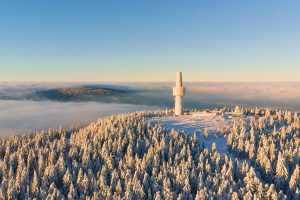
{"x":112,"y":41}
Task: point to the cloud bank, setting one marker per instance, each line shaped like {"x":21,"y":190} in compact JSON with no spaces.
{"x":18,"y":114}
{"x":29,"y":116}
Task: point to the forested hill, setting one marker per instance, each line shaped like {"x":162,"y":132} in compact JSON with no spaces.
{"x":86,"y":93}
{"x":125,"y":156}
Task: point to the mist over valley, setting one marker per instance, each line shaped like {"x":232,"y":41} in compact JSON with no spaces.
{"x":36,"y":106}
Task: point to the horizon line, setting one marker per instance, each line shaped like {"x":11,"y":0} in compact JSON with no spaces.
{"x":88,"y":82}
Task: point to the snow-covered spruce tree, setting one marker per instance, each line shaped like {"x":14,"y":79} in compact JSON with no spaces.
{"x":271,"y":142}
{"x":128,"y":157}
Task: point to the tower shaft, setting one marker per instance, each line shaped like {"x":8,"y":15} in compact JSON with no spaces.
{"x":178,"y":92}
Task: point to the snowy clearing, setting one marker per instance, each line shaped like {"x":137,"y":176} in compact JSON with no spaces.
{"x":196,"y":122}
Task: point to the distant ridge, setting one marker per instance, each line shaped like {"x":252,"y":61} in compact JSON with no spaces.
{"x":78,"y":93}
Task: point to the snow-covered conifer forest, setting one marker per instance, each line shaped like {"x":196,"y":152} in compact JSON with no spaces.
{"x":128,"y":157}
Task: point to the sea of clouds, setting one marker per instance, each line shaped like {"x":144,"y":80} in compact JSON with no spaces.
{"x":21,"y":114}
{"x":28,"y":116}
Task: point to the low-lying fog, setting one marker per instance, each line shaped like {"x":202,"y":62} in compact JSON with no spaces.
{"x":28,"y":116}
{"x":21,"y":109}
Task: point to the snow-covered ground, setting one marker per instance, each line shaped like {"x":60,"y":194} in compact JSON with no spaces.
{"x":215,"y":123}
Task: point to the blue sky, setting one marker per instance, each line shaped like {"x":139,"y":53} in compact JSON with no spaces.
{"x":108,"y":41}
